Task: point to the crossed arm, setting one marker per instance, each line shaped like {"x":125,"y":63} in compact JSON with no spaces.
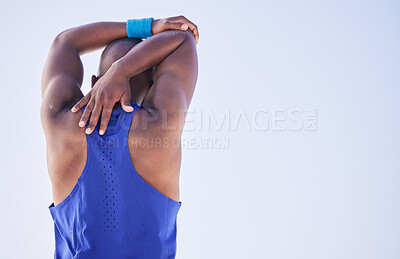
{"x":63,"y":72}
{"x":174,"y":54}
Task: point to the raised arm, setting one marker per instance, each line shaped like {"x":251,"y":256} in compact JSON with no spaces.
{"x":174,"y":84}
{"x":174,"y":53}
{"x":63,"y":64}
{"x":63,"y":74}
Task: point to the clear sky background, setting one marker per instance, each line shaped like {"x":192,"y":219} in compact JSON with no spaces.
{"x":308,"y":165}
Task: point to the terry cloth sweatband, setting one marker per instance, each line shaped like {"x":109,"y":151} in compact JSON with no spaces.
{"x":139,"y":28}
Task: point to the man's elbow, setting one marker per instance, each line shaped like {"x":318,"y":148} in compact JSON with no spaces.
{"x":189,"y":36}
{"x":184,"y":36}
{"x":65,"y":39}
{"x":61,"y":38}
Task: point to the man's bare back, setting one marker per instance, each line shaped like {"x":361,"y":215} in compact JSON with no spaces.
{"x":155,"y":159}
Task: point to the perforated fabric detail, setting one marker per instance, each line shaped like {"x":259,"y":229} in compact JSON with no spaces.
{"x":109,"y":186}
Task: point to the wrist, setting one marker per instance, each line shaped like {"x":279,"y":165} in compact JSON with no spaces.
{"x":117,"y":70}
{"x":139,"y":28}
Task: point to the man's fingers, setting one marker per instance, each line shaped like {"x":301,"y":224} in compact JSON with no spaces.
{"x":176,"y":25}
{"x":82,"y":102}
{"x":105,"y":118}
{"x":126,"y":103}
{"x":86,"y":114}
{"x":94,"y":117}
{"x":195,"y":31}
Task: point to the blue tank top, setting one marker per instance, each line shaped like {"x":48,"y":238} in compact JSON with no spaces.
{"x":112,"y":212}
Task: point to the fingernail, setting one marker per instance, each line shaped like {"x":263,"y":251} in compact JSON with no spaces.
{"x":101,"y":132}
{"x":72,"y":109}
{"x":87,"y":131}
{"x":184,"y":26}
{"x":81,"y":124}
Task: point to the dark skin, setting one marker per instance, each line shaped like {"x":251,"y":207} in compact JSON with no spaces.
{"x":165,"y":96}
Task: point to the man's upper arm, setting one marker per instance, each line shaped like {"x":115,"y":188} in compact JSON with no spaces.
{"x":61,"y":81}
{"x":175,"y":79}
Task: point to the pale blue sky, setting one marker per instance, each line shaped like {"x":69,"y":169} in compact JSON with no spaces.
{"x":280,"y":193}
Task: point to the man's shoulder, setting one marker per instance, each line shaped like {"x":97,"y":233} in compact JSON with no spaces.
{"x":61,"y":93}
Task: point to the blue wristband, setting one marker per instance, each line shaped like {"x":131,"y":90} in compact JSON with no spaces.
{"x":139,"y":28}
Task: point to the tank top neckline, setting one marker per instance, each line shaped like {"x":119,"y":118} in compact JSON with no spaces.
{"x":114,"y":115}
{"x":118,"y":110}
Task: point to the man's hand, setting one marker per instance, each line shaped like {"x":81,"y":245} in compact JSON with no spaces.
{"x":174,"y":23}
{"x":109,"y":89}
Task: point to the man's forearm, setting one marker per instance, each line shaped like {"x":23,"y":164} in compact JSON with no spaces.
{"x":149,"y":53}
{"x":92,"y":36}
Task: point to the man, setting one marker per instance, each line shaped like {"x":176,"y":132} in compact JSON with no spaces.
{"x":114,"y":155}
